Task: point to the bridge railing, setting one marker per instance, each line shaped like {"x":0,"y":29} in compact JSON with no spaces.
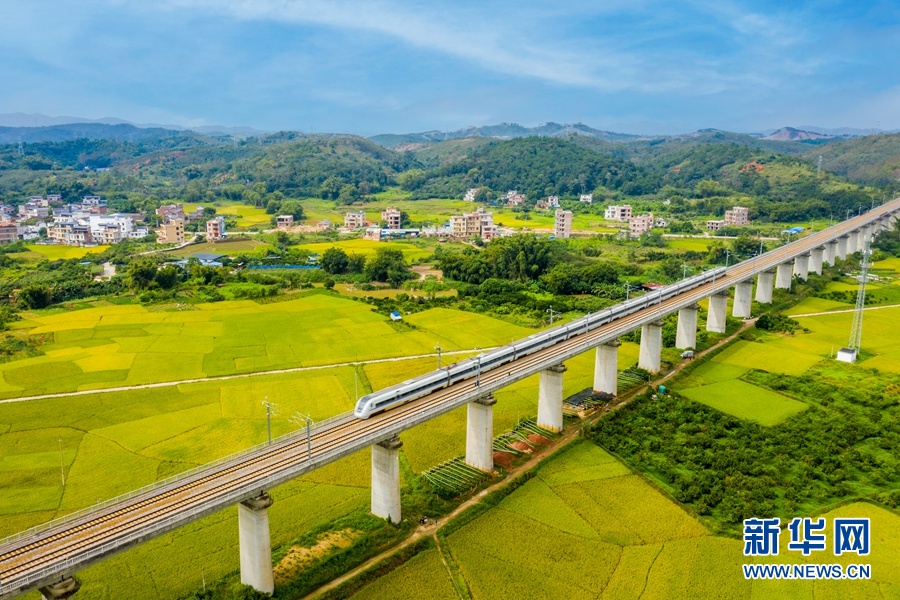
{"x":298,"y":434}
{"x":81,"y":559}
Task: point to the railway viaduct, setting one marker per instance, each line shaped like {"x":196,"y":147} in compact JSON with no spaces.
{"x":47,"y":557}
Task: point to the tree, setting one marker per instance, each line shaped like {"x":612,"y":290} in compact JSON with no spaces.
{"x":35,"y":296}
{"x":334,"y":261}
{"x":389,"y":266}
{"x":293,"y":208}
{"x":331,"y":188}
{"x":348,"y":195}
{"x":412,"y":179}
{"x":140,"y":273}
{"x":329,"y":284}
{"x":167,"y":277}
{"x":356,"y":263}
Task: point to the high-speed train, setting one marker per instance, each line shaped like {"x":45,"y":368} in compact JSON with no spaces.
{"x":423,"y":385}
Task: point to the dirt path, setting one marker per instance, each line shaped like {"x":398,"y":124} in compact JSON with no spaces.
{"x":848,"y":310}
{"x":163,"y":384}
{"x":433,"y":526}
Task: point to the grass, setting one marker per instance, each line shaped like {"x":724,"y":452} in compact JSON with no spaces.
{"x":229,"y":247}
{"x":695,"y":244}
{"x":412,"y":250}
{"x":56,"y":252}
{"x":746,"y":401}
{"x":768,"y":357}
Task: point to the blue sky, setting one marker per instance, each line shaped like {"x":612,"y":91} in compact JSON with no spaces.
{"x":376,"y":66}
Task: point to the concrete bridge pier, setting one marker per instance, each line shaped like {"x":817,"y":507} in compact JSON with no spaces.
{"x":62,"y":589}
{"x":801,"y":266}
{"x":815,"y":259}
{"x":386,"y":479}
{"x":784,"y":275}
{"x":852,"y":241}
{"x":842,"y":247}
{"x":255,"y":543}
{"x":830,"y":252}
{"x":650,"y":357}
{"x":743,"y":294}
{"x":764,"y":285}
{"x":867,"y":235}
{"x":686,"y":334}
{"x":550,"y":398}
{"x":606,"y":368}
{"x":718,"y":311}
{"x":480,"y":433}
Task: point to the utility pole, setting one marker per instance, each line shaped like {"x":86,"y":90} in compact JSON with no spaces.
{"x":62,"y":468}
{"x":684,"y":269}
{"x":270,"y":410}
{"x":301,"y":419}
{"x":819,"y":169}
{"x":627,"y":290}
{"x":438,"y":348}
{"x":552,"y":313}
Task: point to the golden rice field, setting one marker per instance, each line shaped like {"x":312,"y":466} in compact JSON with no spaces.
{"x":245,"y":215}
{"x":114,"y":346}
{"x":57,"y":252}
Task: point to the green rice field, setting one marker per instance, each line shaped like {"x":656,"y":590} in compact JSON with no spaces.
{"x":585,"y":527}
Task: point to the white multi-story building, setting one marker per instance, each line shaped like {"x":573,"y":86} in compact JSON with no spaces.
{"x":715,"y":224}
{"x":33,"y":210}
{"x":392,"y":217}
{"x":553,"y":201}
{"x":284,"y":221}
{"x":215,"y":228}
{"x":470,"y":194}
{"x":111,"y":229}
{"x":737,"y":216}
{"x":563,"y":224}
{"x":640,"y":225}
{"x":618,"y":213}
{"x":355,"y":219}
{"x":70,"y":234}
{"x":587,"y":198}
{"x":514,"y":198}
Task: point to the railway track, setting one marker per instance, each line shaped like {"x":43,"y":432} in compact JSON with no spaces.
{"x":38,"y":558}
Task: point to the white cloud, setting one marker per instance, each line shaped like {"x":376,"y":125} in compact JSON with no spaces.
{"x":510,"y":42}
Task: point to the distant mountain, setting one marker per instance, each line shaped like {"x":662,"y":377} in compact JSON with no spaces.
{"x":796,"y":135}
{"x":90,"y":131}
{"x":503,"y":131}
{"x":43,"y":122}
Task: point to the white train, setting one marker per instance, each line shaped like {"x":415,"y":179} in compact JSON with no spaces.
{"x":423,"y":385}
